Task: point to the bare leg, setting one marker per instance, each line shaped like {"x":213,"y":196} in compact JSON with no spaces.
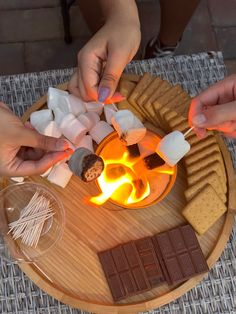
{"x":175,"y":15}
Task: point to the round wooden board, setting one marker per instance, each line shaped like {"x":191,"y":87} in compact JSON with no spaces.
{"x":72,"y":273}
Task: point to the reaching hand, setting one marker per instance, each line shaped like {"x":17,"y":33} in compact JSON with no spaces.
{"x":215,"y":108}
{"x":23,"y":151}
{"x":102,"y":60}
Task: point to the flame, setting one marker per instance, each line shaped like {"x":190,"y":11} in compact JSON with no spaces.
{"x":117,"y":174}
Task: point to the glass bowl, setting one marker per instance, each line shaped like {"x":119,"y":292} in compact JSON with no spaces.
{"x":13,"y":200}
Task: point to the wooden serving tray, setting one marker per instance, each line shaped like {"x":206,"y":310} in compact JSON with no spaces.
{"x":72,"y":273}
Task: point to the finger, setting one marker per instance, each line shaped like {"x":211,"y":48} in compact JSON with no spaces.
{"x":32,"y":138}
{"x":232,"y":134}
{"x":28,"y":125}
{"x":27,"y":153}
{"x":90,"y":69}
{"x":73,"y":85}
{"x":226,"y":127}
{"x":30,"y":167}
{"x":117,"y":97}
{"x":215,"y":115}
{"x":114,"y":67}
{"x":4,"y":106}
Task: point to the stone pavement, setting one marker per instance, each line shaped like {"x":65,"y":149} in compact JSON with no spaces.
{"x":31,"y":33}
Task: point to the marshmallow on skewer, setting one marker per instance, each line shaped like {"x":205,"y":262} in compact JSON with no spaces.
{"x":56,"y":98}
{"x":60,"y":175}
{"x":129,"y":128}
{"x":94,"y":107}
{"x":86,"y":165}
{"x":109,"y":111}
{"x":173,"y":147}
{"x":75,"y":105}
{"x":87,"y":142}
{"x":89,"y":119}
{"x":40,"y":117}
{"x":72,"y":128}
{"x":100,"y":131}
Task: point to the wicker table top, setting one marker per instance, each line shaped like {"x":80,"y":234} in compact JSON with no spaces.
{"x":215,"y":294}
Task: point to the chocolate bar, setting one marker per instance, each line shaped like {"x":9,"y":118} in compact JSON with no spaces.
{"x":133,"y":150}
{"x":153,"y":161}
{"x":137,"y":266}
{"x":179,"y":254}
{"x":124,"y":271}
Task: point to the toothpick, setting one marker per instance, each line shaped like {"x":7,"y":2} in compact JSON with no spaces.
{"x":189,"y":130}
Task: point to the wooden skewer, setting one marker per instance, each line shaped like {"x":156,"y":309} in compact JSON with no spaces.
{"x":189,"y":130}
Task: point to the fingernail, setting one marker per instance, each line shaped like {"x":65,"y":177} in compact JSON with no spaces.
{"x":199,"y":119}
{"x":103,"y":93}
{"x":62,"y":144}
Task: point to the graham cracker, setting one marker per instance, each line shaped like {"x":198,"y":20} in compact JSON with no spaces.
{"x":130,"y":77}
{"x":203,"y":162}
{"x":204,"y":209}
{"x":193,"y":139}
{"x":212,"y":179}
{"x":203,"y":172}
{"x":151,"y":88}
{"x":165,"y":98}
{"x":126,"y":87}
{"x":163,"y":88}
{"x":201,"y":144}
{"x":170,"y":114}
{"x":205,"y":152}
{"x":182,"y":127}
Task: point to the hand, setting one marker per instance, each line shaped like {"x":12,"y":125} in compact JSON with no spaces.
{"x":23,"y":151}
{"x":102,"y":60}
{"x":215,"y":108}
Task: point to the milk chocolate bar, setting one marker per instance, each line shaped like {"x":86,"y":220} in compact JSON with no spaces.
{"x":153,"y":161}
{"x":137,"y":266}
{"x":133,"y":150}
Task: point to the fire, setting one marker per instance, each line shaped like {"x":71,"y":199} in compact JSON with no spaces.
{"x":120,"y":181}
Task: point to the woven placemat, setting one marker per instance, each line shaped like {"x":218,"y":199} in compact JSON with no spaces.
{"x":217,"y":293}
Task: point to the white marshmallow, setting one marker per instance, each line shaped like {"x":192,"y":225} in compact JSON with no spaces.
{"x":89,"y":119}
{"x":76,"y":105}
{"x":100,"y":131}
{"x":86,"y":142}
{"x":40,"y":117}
{"x":58,"y":115}
{"x":46,"y":173}
{"x":50,"y":129}
{"x":129,"y":128}
{"x":72,"y":128}
{"x":60,"y":175}
{"x":109,"y":111}
{"x":94,"y":107}
{"x":18,"y":179}
{"x":173,"y":147}
{"x":56,"y":98}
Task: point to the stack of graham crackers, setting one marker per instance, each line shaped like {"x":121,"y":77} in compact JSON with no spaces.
{"x":165,"y":106}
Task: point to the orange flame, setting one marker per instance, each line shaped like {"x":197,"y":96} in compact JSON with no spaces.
{"x":117,"y":174}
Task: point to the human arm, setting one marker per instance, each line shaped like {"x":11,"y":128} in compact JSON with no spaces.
{"x":102,"y":60}
{"x":23,"y":151}
{"x":215,"y":108}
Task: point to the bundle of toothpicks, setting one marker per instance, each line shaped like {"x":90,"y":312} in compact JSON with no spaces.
{"x":32,"y":218}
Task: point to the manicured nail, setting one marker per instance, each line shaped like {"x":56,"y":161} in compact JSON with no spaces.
{"x":103,"y":93}
{"x":199,"y":119}
{"x":62,"y":144}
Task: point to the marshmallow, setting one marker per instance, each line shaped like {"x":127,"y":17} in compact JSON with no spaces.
{"x":56,"y":98}
{"x":94,"y":107}
{"x":72,"y":128}
{"x":129,"y":128}
{"x":40,"y":117}
{"x":75,"y":105}
{"x":50,"y":129}
{"x":18,"y":179}
{"x":86,"y":142}
{"x":173,"y":147}
{"x":100,"y":131}
{"x":60,"y":175}
{"x":89,"y":119}
{"x":109,"y":111}
{"x":58,"y":115}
